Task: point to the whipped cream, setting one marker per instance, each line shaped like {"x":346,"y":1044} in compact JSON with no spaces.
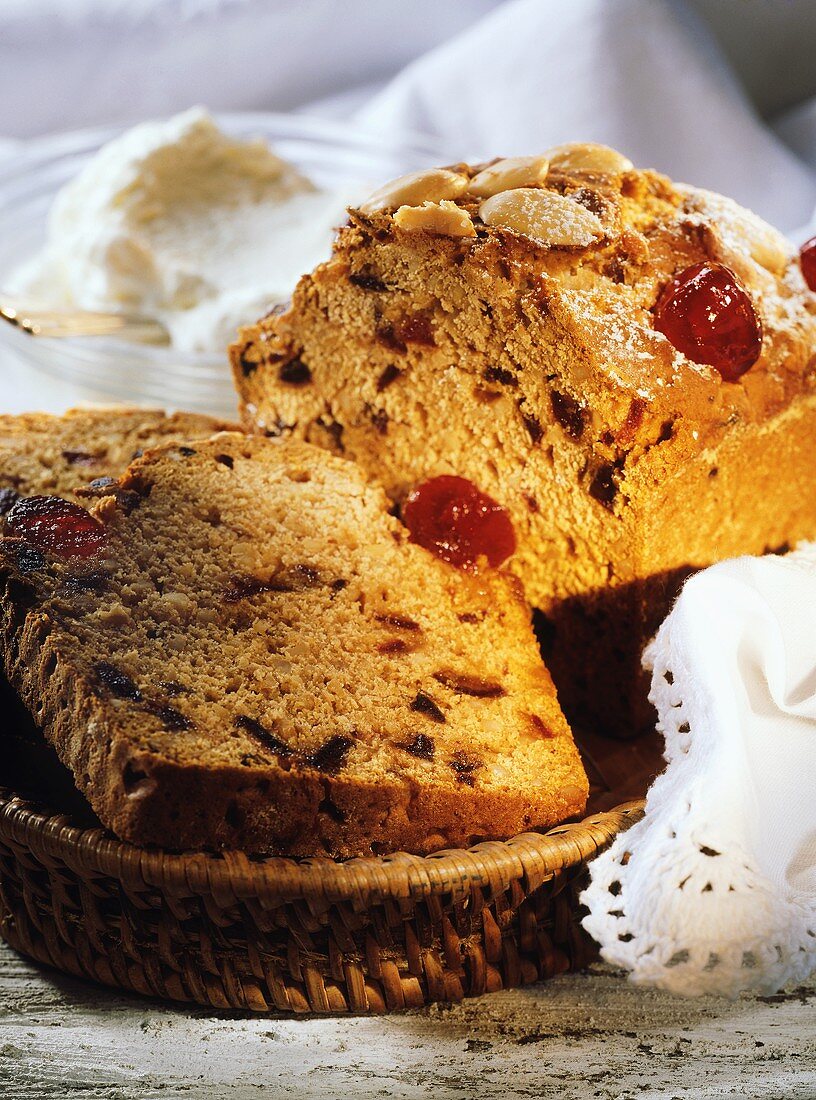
{"x":179,"y":221}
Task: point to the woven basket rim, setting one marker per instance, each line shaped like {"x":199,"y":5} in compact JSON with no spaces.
{"x":233,"y":876}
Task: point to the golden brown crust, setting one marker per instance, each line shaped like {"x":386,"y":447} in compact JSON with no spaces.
{"x":250,"y":693}
{"x":535,"y":370}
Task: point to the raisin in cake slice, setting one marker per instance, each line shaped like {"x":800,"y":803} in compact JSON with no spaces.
{"x":240,"y":647}
{"x":622,"y":363}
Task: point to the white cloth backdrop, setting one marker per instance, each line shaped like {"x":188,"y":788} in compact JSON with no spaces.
{"x":649,"y":76}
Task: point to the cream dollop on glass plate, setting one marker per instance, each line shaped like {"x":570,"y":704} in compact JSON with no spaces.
{"x":180,"y":221}
{"x":203,"y":223}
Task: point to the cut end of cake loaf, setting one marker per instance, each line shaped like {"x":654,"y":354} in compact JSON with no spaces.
{"x":497,"y":322}
{"x":240,"y":648}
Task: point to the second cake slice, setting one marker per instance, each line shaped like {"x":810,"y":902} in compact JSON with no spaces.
{"x":239,"y":647}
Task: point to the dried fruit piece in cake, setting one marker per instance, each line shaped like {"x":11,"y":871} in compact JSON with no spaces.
{"x":629,"y":439}
{"x":708,"y":315}
{"x":807,"y":261}
{"x":257,"y":656}
{"x":55,"y":526}
{"x":454,"y":520}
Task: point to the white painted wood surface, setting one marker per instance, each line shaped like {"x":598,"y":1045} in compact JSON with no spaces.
{"x":590,"y":1036}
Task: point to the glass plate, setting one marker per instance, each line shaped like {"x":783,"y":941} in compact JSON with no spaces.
{"x":104,"y":370}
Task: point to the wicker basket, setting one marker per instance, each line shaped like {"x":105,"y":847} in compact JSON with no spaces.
{"x":366,"y":936}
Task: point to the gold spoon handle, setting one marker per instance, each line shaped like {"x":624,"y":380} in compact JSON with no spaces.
{"x":59,"y":323}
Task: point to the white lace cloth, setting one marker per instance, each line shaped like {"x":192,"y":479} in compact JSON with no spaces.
{"x":714,"y":891}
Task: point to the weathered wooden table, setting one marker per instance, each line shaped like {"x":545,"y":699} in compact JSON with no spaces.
{"x":582,"y":1036}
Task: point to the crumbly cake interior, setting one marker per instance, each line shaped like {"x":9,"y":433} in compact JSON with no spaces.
{"x":525,"y":358}
{"x":257,"y":618}
{"x":47,"y":454}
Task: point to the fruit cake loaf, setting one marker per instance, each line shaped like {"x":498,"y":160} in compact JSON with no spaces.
{"x":44,"y":454}
{"x":240,"y":647}
{"x":626,"y":365}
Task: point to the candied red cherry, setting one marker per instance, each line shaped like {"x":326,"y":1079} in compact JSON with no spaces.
{"x":708,"y":315}
{"x":807,"y":261}
{"x":454,"y":520}
{"x":56,"y":525}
